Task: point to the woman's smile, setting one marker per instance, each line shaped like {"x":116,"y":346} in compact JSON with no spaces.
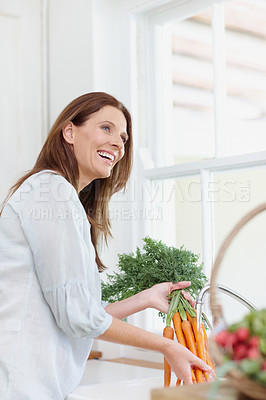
{"x":107,"y":156}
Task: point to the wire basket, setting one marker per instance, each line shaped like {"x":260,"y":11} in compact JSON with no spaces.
{"x":241,"y":382}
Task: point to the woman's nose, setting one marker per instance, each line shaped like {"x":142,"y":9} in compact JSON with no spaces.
{"x":117,"y":141}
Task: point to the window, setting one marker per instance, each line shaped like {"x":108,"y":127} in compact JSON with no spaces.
{"x":205,"y":142}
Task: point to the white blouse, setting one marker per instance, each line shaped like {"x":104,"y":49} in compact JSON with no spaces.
{"x":50,"y":292}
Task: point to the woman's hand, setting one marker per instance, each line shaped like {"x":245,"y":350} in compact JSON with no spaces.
{"x":181,"y":360}
{"x":158,"y":295}
{"x":178,"y":356}
{"x":154,"y":297}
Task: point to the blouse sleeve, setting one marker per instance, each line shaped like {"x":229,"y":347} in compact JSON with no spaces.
{"x":54,"y":223}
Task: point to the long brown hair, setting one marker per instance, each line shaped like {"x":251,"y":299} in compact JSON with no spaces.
{"x":58,"y":155}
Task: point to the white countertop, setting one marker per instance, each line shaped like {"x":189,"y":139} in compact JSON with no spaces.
{"x":105,"y":380}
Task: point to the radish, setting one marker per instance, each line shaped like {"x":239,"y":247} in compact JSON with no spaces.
{"x":253,"y":353}
{"x":231,"y":340}
{"x":242,"y":334}
{"x":221,"y":338}
{"x":240,"y":351}
{"x":254,"y":341}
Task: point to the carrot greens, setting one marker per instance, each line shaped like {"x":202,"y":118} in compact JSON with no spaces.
{"x":157,"y":263}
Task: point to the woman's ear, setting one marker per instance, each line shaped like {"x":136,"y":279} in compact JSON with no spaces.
{"x":68,"y":133}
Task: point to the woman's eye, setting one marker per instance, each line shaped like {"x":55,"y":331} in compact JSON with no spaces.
{"x":106,"y":128}
{"x":124,"y":139}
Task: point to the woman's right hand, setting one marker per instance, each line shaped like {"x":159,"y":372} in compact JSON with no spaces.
{"x":181,"y":360}
{"x":178,"y":356}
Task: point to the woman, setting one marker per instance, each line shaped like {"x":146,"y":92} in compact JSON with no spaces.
{"x":50,"y":228}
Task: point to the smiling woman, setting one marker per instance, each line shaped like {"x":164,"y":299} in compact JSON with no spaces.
{"x":51,"y":224}
{"x":67,"y":152}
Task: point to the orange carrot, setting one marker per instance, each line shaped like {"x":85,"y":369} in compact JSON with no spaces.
{"x":210,"y":363}
{"x":178,"y":382}
{"x":168,"y":333}
{"x":190,"y":340}
{"x":209,"y":360}
{"x":178,"y":329}
{"x":206,"y":340}
{"x":188,"y":316}
{"x":180,"y":336}
{"x":201,"y":349}
{"x":188,"y":334}
{"x":194,"y":380}
{"x":199,"y":339}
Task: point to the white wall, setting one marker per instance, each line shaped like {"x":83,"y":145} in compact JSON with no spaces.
{"x":46,"y":61}
{"x":20,"y":88}
{"x":70,"y":52}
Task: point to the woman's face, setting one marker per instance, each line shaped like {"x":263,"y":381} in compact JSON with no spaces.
{"x":98,"y":144}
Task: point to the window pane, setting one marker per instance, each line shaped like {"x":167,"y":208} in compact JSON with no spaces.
{"x":245,"y":49}
{"x":192,"y":118}
{"x":243,"y":267}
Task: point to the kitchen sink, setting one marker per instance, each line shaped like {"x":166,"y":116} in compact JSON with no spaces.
{"x":105,"y":380}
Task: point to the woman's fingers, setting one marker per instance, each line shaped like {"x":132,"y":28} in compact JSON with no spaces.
{"x":197,"y":362}
{"x":188,"y":379}
{"x":180,"y":285}
{"x":189,"y":298}
{"x":158,"y":294}
{"x":183,"y":285}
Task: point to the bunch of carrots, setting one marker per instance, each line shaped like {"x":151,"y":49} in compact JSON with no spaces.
{"x":184,"y":319}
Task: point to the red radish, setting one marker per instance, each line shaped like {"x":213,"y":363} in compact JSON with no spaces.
{"x":222,"y":337}
{"x":240,"y":351}
{"x":254,"y":341}
{"x":231,"y":340}
{"x":263,"y":367}
{"x":253,"y":353}
{"x":242,"y":334}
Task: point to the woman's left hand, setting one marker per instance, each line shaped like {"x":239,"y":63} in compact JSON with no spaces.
{"x":154,"y":297}
{"x":158,"y":295}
